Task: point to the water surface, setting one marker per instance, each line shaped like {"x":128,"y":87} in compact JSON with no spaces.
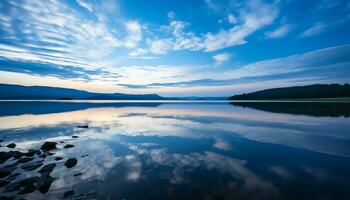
{"x":182,"y":150}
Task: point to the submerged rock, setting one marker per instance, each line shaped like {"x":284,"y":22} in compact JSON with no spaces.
{"x":12,"y":145}
{"x":68,"y":146}
{"x":30,"y":153}
{"x":47,"y":169}
{"x":77,"y":174}
{"x":83,"y":126}
{"x":3,"y":183}
{"x":5,"y":172}
{"x":22,"y":183}
{"x":25,"y":160}
{"x":32,"y":166}
{"x":16,"y":154}
{"x":58,"y":158}
{"x":4,"y":156}
{"x":68,"y":194}
{"x":84,"y":155}
{"x":28,"y":189}
{"x":71,"y":162}
{"x":75,"y":136}
{"x":48,"y":146}
{"x":44,"y":183}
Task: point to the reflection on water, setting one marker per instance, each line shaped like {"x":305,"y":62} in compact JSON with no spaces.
{"x":184,"y":150}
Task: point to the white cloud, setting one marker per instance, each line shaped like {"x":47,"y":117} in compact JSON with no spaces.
{"x":171,"y":14}
{"x":85,"y":5}
{"x":135,"y":34}
{"x":231,"y":19}
{"x":138,"y":52}
{"x":221,"y":58}
{"x":279,"y":32}
{"x":161,"y":46}
{"x":315,"y":29}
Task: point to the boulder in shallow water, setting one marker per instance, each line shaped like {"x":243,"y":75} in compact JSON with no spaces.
{"x":19,"y":184}
{"x":68,"y":194}
{"x":32,"y":166}
{"x":75,"y":136}
{"x":47,"y":169}
{"x":28,"y":189}
{"x":44,"y":183}
{"x":68,"y":146}
{"x":48,"y":146}
{"x":83,"y":126}
{"x":25,"y":159}
{"x":12,"y":145}
{"x":5,"y":172}
{"x":71,"y":162}
{"x":58,"y":158}
{"x":4,"y":156}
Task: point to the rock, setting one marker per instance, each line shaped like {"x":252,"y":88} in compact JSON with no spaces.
{"x":83,"y":126}
{"x":75,"y":136}
{"x":43,"y":156}
{"x":44,"y":183}
{"x":5,"y":172}
{"x":17,"y":154}
{"x":30,"y":153}
{"x":68,"y":146}
{"x":25,"y":160}
{"x":68,"y":194}
{"x":27,"y":189}
{"x":32,"y":166}
{"x":38,"y":152}
{"x":62,"y":142}
{"x":1,"y":140}
{"x":17,"y":185}
{"x":47,"y":169}
{"x":3,"y":183}
{"x":4,"y":156}
{"x":84,"y":155}
{"x":12,"y":145}
{"x":48,"y":146}
{"x":50,"y":154}
{"x":12,"y":176}
{"x":71,"y":162}
{"x":58,"y":158}
{"x":77,"y":174}
{"x":6,"y":198}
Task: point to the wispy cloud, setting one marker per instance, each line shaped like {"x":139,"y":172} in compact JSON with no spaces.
{"x":279,"y":32}
{"x":221,"y":58}
{"x":315,"y":29}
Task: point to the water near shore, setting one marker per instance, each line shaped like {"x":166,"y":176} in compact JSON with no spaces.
{"x":174,"y":150}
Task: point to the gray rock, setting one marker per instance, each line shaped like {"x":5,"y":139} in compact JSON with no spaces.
{"x":44,"y":183}
{"x":25,"y":160}
{"x":32,"y":166}
{"x":68,"y":146}
{"x":12,"y":145}
{"x":4,"y":156}
{"x":71,"y":162}
{"x":48,"y":146}
{"x":47,"y":169}
{"x":28,"y":189}
{"x":68,"y":194}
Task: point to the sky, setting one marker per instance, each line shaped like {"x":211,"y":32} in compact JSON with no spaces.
{"x":174,"y":48}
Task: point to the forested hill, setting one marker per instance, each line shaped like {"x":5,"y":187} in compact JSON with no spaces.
{"x":298,"y":92}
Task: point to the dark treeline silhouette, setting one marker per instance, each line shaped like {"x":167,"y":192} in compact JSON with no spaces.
{"x":298,"y":92}
{"x":317,"y":109}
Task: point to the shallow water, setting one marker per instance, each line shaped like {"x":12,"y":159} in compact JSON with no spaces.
{"x":182,"y":150}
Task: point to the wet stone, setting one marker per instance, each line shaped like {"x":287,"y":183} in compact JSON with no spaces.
{"x":25,"y":160}
{"x":71,"y":162}
{"x":68,"y":194}
{"x":44,"y":183}
{"x":75,"y":136}
{"x":30,"y":153}
{"x":5,"y":172}
{"x":17,"y":185}
{"x":28,"y":189}
{"x":84,"y":155}
{"x":58,"y":158}
{"x":48,"y":146}
{"x":6,"y":198}
{"x":50,"y":154}
{"x":3,"y":183}
{"x":32,"y":166}
{"x":4,"y":156}
{"x":12,"y":145}
{"x":43,"y":156}
{"x":17,"y":154}
{"x":47,"y":169}
{"x":77,"y":174}
{"x":68,"y":146}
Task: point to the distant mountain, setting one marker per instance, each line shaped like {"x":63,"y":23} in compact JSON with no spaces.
{"x":298,"y":92}
{"x":8,"y":91}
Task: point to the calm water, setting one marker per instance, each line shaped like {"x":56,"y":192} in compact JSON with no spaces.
{"x":185,"y":150}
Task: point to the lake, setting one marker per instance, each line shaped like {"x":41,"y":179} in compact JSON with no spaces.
{"x":176,"y":150}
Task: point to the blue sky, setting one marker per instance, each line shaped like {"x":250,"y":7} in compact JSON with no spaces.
{"x":174,"y":48}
